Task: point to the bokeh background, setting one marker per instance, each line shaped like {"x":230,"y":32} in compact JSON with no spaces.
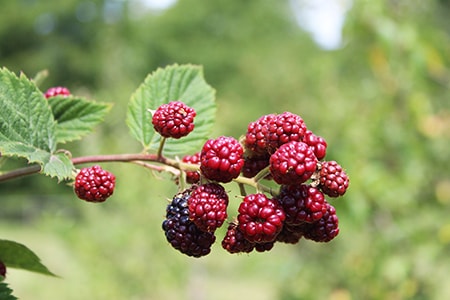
{"x":372,"y":77}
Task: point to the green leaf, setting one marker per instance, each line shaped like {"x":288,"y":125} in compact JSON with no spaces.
{"x":15,"y":255}
{"x":6,"y":292}
{"x":76,"y":117}
{"x":176,"y":82}
{"x":27,"y":126}
{"x":25,"y":117}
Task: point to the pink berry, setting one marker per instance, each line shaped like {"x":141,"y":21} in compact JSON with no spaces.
{"x":94,"y":184}
{"x":174,"y":119}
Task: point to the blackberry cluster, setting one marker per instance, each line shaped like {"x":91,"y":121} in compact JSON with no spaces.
{"x":276,"y":147}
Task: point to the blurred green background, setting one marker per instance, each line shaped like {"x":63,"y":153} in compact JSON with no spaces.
{"x":380,"y":97}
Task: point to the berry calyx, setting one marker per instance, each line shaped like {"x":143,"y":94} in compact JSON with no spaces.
{"x":221,"y":159}
{"x":57,"y":91}
{"x":208,"y":206}
{"x":260,"y":218}
{"x":174,"y":119}
{"x":93,"y":184}
{"x":192,"y":177}
{"x":302,"y":203}
{"x":333,"y":179}
{"x":292,"y":163}
{"x":181,"y":232}
{"x":284,"y":128}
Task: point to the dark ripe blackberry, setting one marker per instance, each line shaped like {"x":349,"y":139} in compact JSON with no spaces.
{"x":2,"y":270}
{"x":263,"y":247}
{"x":290,"y":234}
{"x":181,"y":232}
{"x":235,"y":242}
{"x":284,"y":128}
{"x":325,"y":229}
{"x":301,"y":203}
{"x":208,"y":206}
{"x":252,"y":165}
{"x":192,"y":177}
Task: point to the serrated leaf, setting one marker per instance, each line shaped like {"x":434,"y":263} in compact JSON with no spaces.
{"x":6,"y":292}
{"x":176,"y":82}
{"x":15,"y":255}
{"x":25,"y":117}
{"x":76,"y":116}
{"x":27,"y":126}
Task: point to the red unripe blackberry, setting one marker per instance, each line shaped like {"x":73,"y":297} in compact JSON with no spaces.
{"x":325,"y":229}
{"x":181,"y":232}
{"x":174,"y":119}
{"x":260,"y":218}
{"x":255,"y":138}
{"x":235,"y":242}
{"x":221,"y":159}
{"x":317,"y":144}
{"x":208,"y":206}
{"x":2,"y":269}
{"x":192,"y":176}
{"x":292,"y":163}
{"x":301,"y":203}
{"x":252,"y":165}
{"x":57,"y":91}
{"x":333,"y":179}
{"x":94,"y":184}
{"x":284,"y":128}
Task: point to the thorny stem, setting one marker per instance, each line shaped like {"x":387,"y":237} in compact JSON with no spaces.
{"x":164,"y":164}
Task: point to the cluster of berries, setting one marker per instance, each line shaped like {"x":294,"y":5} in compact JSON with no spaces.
{"x":275,"y":147}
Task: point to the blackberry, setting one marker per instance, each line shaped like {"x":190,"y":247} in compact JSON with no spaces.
{"x":333,"y":179}
{"x":325,"y":229}
{"x":57,"y":91}
{"x":256,"y":136}
{"x":301,"y":203}
{"x":284,"y":128}
{"x":235,"y":242}
{"x":263,"y":247}
{"x":252,"y":165}
{"x":181,"y":232}
{"x":208,"y":206}
{"x":174,"y":119}
{"x":260,"y":218}
{"x":221,"y":159}
{"x":316,"y":143}
{"x":192,"y":177}
{"x":292,"y":163}
{"x":94,"y":184}
{"x":290,"y":234}
{"x":2,"y":270}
